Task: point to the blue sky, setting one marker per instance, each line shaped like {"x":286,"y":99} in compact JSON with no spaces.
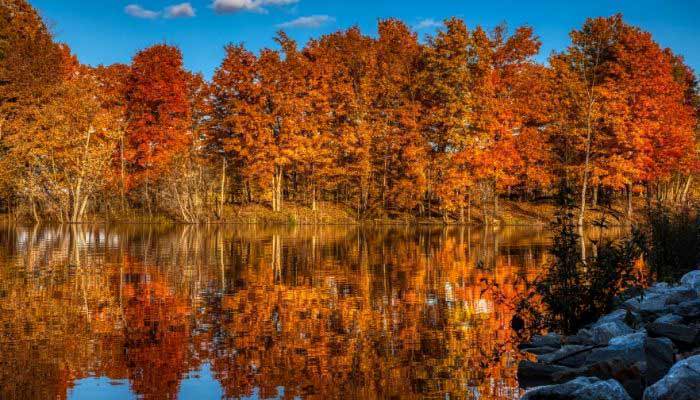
{"x":108,"y":31}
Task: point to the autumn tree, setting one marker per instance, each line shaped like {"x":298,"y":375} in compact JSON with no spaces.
{"x":28,"y":71}
{"x":446,"y":96}
{"x":650,"y":124}
{"x":616,"y":101}
{"x":237,"y":119}
{"x":399,"y":154}
{"x":61,"y":157}
{"x":113,"y":82}
{"x":346,"y":60}
{"x":506,"y":120}
{"x":158,"y":114}
{"x":385,"y":125}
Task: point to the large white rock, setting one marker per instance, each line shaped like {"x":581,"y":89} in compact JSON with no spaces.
{"x":681,"y":383}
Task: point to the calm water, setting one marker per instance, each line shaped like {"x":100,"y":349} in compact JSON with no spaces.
{"x":94,"y":312}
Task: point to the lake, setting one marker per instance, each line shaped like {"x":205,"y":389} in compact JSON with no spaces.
{"x":137,"y":311}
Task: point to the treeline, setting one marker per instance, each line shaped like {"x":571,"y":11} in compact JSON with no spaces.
{"x":384,"y":125}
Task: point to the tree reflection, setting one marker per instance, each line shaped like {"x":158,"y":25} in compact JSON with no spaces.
{"x":320,"y":312}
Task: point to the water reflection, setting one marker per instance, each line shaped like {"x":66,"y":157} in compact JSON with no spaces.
{"x":311,"y":312}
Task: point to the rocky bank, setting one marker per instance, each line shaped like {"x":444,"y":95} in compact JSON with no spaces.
{"x":647,"y":349}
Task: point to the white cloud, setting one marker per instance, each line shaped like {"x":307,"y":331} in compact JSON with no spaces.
{"x":428,"y":23}
{"x":183,"y":10}
{"x":312,"y":21}
{"x":137,"y":11}
{"x":232,"y":6}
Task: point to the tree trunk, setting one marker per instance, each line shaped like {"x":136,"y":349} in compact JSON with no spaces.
{"x":123,"y":172}
{"x":688,"y":182}
{"x":629,"y":203}
{"x":469,"y":207}
{"x":495,"y":199}
{"x":223,"y":188}
{"x":313,"y":197}
{"x":35,"y":214}
{"x":584,"y":185}
{"x":594,"y":203}
{"x":277,"y":189}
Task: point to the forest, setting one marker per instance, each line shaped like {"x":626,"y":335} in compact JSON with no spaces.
{"x":383,"y":126}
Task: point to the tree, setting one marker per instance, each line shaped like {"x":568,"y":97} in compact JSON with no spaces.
{"x":399,"y":152}
{"x":158,"y":114}
{"x":579,"y":72}
{"x":621,"y":107}
{"x":60,"y":159}
{"x":237,"y":117}
{"x":446,"y":96}
{"x":506,"y":120}
{"x":651,"y":126}
{"x":345,"y":60}
{"x":28,"y":71}
{"x":113,"y":82}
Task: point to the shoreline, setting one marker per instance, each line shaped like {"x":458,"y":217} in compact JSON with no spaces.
{"x":511,"y":213}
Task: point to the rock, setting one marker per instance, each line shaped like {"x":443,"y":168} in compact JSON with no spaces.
{"x":681,"y":383}
{"x":535,"y":374}
{"x":548,"y":340}
{"x":683,"y":335}
{"x":569,"y":356}
{"x":659,"y":353}
{"x":691,"y":280}
{"x":628,"y":348}
{"x":651,"y":303}
{"x":630,"y":376}
{"x":658,"y":299}
{"x":583,"y":337}
{"x":583,"y":388}
{"x":659,"y":287}
{"x":669,"y":319}
{"x":617,"y":315}
{"x":621,"y":315}
{"x":681,"y":294}
{"x":604,"y":332}
{"x":688,"y":309}
{"x":540,"y":350}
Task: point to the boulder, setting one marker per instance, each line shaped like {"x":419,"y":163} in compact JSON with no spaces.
{"x":681,"y":383}
{"x":540,"y":350}
{"x":569,"y":356}
{"x":602,"y":333}
{"x":688,"y":309}
{"x":659,"y":287}
{"x":548,"y":340}
{"x":583,"y":337}
{"x":683,"y":335}
{"x":681,"y":294}
{"x":617,"y":315}
{"x":630,"y":376}
{"x":691,"y":280}
{"x":669,"y":319}
{"x":628,"y":348}
{"x":660,"y":355}
{"x":583,"y":388}
{"x":651,"y":303}
{"x":535,"y":374}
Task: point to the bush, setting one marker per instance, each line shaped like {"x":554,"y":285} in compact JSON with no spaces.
{"x":575,"y":292}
